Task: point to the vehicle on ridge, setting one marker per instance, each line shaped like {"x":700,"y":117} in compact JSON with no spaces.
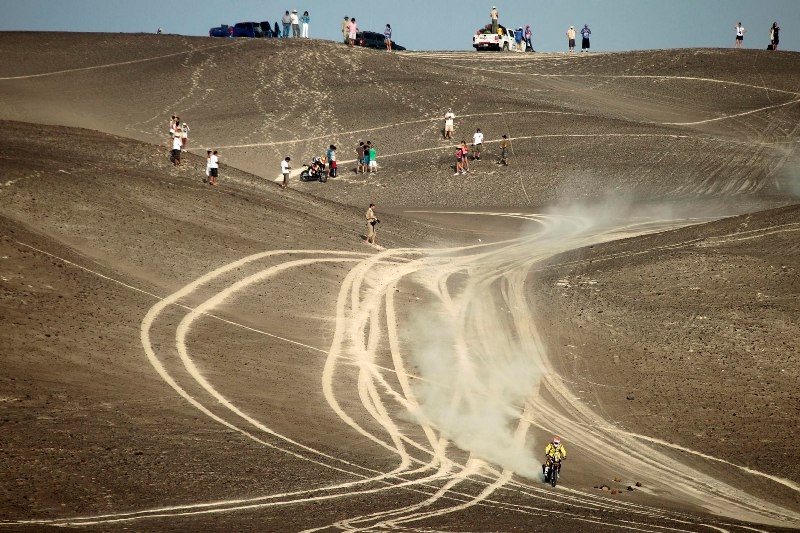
{"x":373,"y":39}
{"x":247,"y":29}
{"x":223,"y":30}
{"x":485,"y":39}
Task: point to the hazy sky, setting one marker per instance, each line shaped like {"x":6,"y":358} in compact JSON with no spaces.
{"x":438,"y":25}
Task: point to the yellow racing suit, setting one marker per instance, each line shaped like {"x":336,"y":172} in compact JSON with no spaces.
{"x":551,"y":451}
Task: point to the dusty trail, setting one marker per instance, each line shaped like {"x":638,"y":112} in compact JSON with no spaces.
{"x":471,"y":294}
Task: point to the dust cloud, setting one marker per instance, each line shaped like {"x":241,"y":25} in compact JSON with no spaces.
{"x":474,"y":394}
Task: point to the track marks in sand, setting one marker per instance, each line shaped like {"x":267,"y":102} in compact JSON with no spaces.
{"x":122,"y":63}
{"x":474,"y":286}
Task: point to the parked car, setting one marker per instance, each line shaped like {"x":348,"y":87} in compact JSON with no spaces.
{"x":223,"y":30}
{"x":371,"y":39}
{"x":247,"y":29}
{"x":267,"y":29}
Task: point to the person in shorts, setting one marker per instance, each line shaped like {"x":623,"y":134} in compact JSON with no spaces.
{"x":213,"y":168}
{"x":571,"y":38}
{"x":504,"y":147}
{"x":352,"y":30}
{"x":464,"y":156}
{"x":208,"y":167}
{"x":740,"y":31}
{"x":360,"y":166}
{"x":477,"y":144}
{"x":372,"y":220}
{"x":373,"y":160}
{"x":449,"y":120}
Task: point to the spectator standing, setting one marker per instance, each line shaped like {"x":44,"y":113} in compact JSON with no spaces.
{"x":287,"y":22}
{"x":331,"y":155}
{"x":366,"y":155}
{"x":571,"y":38}
{"x":528,"y":35}
{"x":495,"y":16}
{"x":740,"y":31}
{"x":464,"y":156}
{"x":774,"y":35}
{"x":459,"y":157}
{"x":285,"y":168}
{"x":346,"y":30}
{"x":213,"y":167}
{"x":208,"y":167}
{"x":504,"y":147}
{"x":172,"y":127}
{"x":185,"y":136}
{"x":360,"y":166}
{"x":352,"y":29}
{"x":305,"y":19}
{"x":585,"y":33}
{"x":373,"y":160}
{"x":295,"y":20}
{"x":387,"y":36}
{"x":372,"y":221}
{"x":449,"y":124}
{"x":518,"y":36}
{"x":177,"y":145}
{"x":477,"y":144}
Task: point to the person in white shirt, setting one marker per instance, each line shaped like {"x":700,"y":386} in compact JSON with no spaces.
{"x":208,"y":167}
{"x":740,"y":31}
{"x":285,"y":167}
{"x":177,"y":145}
{"x":449,"y":119}
{"x":477,"y":144}
{"x":185,"y":136}
{"x":295,"y":21}
{"x":213,"y":167}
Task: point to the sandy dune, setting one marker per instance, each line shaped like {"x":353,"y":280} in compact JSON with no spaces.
{"x":182,"y":357}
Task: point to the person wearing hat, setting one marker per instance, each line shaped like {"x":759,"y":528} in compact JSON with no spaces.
{"x":294,"y":18}
{"x":571,"y":38}
{"x":449,"y":123}
{"x":585,"y":33}
{"x":285,"y":168}
{"x":518,"y":36}
{"x":495,"y":16}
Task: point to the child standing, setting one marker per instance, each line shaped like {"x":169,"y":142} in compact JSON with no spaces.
{"x":373,"y":161}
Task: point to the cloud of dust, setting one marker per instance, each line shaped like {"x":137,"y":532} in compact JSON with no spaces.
{"x":473,"y":397}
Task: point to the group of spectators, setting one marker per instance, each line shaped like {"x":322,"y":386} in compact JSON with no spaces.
{"x":774,"y":36}
{"x":178,"y":139}
{"x":179,"y":143}
{"x":297,"y":23}
{"x":290,"y":22}
{"x":350,"y":31}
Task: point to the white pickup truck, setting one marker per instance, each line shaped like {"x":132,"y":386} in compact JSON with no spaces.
{"x":493,"y":41}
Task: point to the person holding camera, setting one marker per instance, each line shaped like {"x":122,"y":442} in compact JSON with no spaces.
{"x":372,"y":221}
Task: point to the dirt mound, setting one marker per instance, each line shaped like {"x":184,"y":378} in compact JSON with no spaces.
{"x":178,"y":356}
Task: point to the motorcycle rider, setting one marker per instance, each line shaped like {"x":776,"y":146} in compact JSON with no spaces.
{"x":554,"y":451}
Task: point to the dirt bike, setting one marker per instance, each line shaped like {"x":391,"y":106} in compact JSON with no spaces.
{"x":552,"y":472}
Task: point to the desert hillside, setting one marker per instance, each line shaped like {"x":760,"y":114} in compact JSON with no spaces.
{"x":180,"y":357}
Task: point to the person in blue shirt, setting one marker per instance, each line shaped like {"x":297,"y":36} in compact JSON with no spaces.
{"x":387,"y":34}
{"x":304,"y":20}
{"x":585,"y":32}
{"x":518,"y":39}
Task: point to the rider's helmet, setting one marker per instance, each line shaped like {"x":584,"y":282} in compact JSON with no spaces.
{"x":556,"y":441}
